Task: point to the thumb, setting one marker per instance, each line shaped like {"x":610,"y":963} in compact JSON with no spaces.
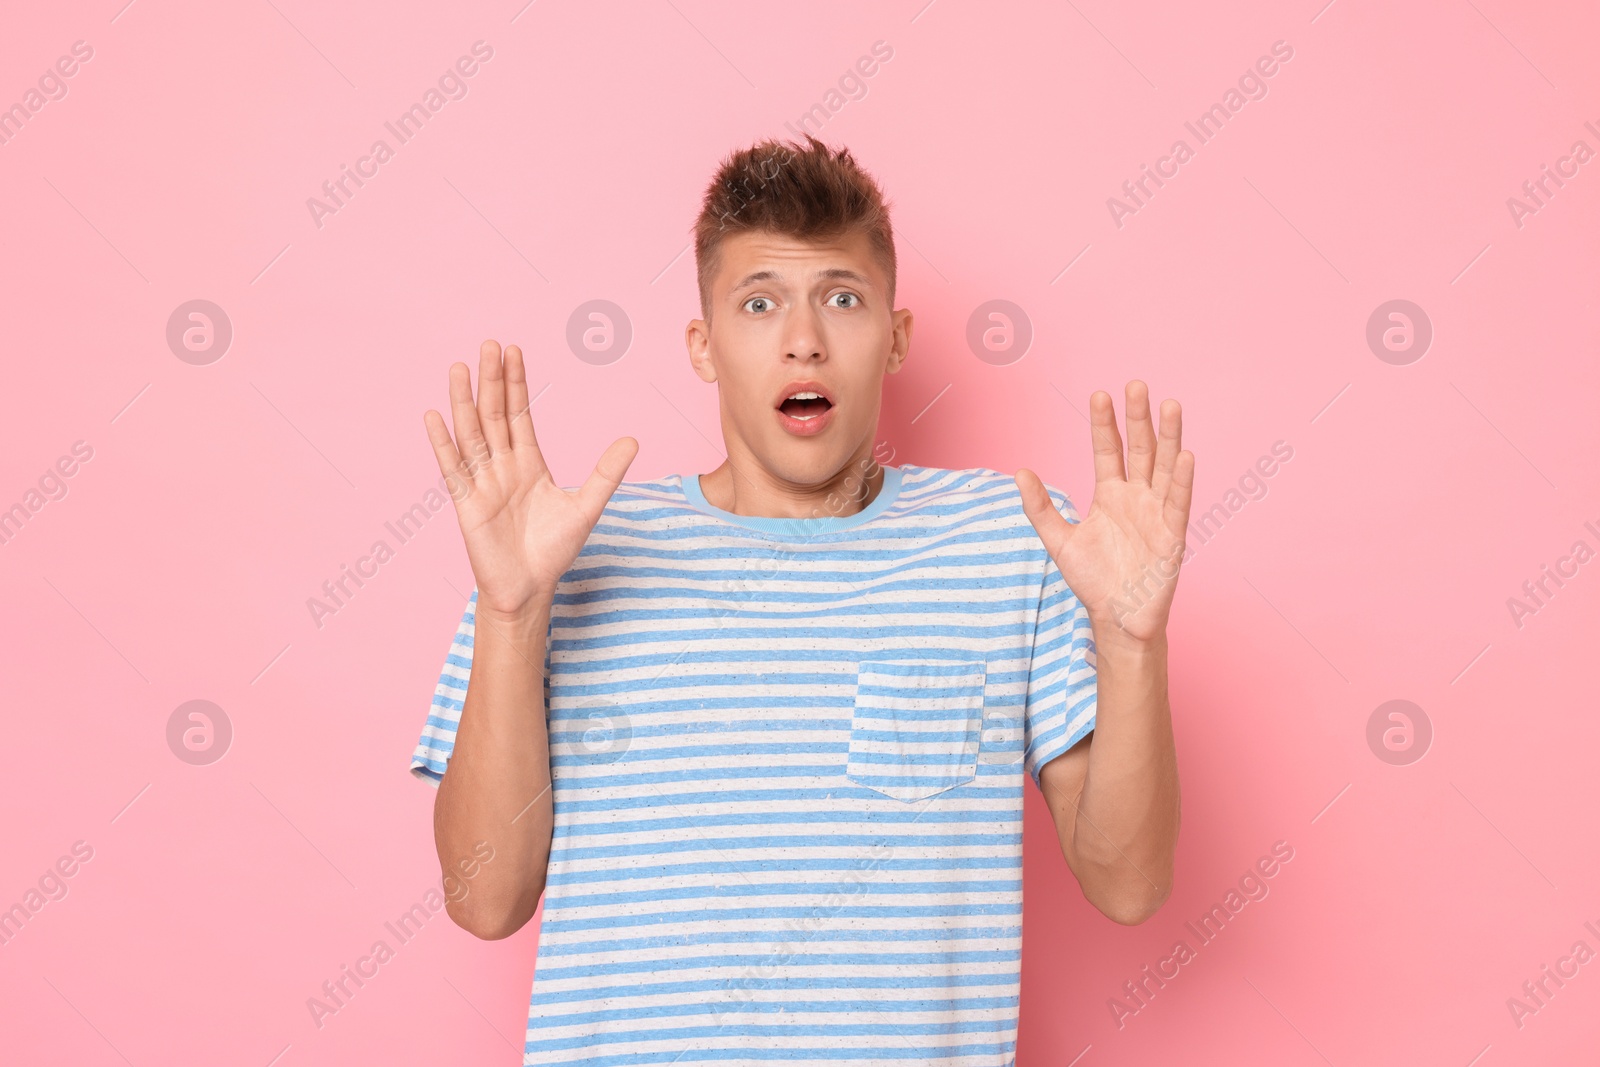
{"x":1048,"y":523}
{"x":607,"y":475}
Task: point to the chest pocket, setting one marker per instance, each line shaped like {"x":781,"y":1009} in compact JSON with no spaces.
{"x":916,"y":726}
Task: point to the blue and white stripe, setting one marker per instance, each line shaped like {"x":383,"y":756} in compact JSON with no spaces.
{"x":787,"y":762}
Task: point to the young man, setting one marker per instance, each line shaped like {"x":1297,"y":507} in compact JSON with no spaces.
{"x":758,"y":736}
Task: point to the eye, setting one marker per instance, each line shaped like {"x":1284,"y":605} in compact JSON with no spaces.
{"x":855,"y":300}
{"x":761,"y":300}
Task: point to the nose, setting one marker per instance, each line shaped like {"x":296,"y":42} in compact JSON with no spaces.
{"x":802,"y":336}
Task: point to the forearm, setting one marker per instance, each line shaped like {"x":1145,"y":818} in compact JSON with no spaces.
{"x":497,"y":785}
{"x":1126,"y":830}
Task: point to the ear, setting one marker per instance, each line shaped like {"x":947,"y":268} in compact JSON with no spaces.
{"x":697,"y":337}
{"x":900,"y":340}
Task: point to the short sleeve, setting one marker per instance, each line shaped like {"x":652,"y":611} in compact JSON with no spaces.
{"x":439,"y":731}
{"x":1061,"y":697}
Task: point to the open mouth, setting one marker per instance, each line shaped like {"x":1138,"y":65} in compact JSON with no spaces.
{"x":805,"y":405}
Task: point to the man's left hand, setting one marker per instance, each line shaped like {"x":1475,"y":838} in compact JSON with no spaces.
{"x":1122,"y":559}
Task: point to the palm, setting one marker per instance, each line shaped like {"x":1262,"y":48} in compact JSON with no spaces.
{"x":1122,"y":559}
{"x":521,"y":529}
{"x":520,"y":536}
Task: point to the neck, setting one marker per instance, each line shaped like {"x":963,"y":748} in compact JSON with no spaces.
{"x":744,"y":487}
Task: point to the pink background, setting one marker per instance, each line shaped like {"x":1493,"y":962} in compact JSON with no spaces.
{"x":220,"y":497}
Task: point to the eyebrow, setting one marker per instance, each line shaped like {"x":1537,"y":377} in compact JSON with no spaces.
{"x":829,"y":274}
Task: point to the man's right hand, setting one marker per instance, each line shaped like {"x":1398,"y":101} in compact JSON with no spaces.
{"x":521,"y":529}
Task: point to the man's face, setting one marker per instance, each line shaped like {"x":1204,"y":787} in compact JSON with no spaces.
{"x":788,"y":317}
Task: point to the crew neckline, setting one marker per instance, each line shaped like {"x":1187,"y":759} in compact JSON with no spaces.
{"x":811,"y":526}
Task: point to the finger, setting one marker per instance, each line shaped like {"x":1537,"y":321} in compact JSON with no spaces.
{"x":492,"y":397}
{"x":1051,"y":526}
{"x":1107,"y":442}
{"x":1179,"y":495}
{"x":607,"y":475}
{"x":1141,"y":433}
{"x":458,"y":480}
{"x":469,"y":435}
{"x":1168,"y":445}
{"x":517,"y":404}
{"x":524,"y":441}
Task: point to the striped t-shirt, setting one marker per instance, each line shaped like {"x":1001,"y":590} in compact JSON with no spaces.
{"x":787,"y":762}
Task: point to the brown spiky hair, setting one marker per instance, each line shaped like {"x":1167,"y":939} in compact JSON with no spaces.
{"x":805,"y":191}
